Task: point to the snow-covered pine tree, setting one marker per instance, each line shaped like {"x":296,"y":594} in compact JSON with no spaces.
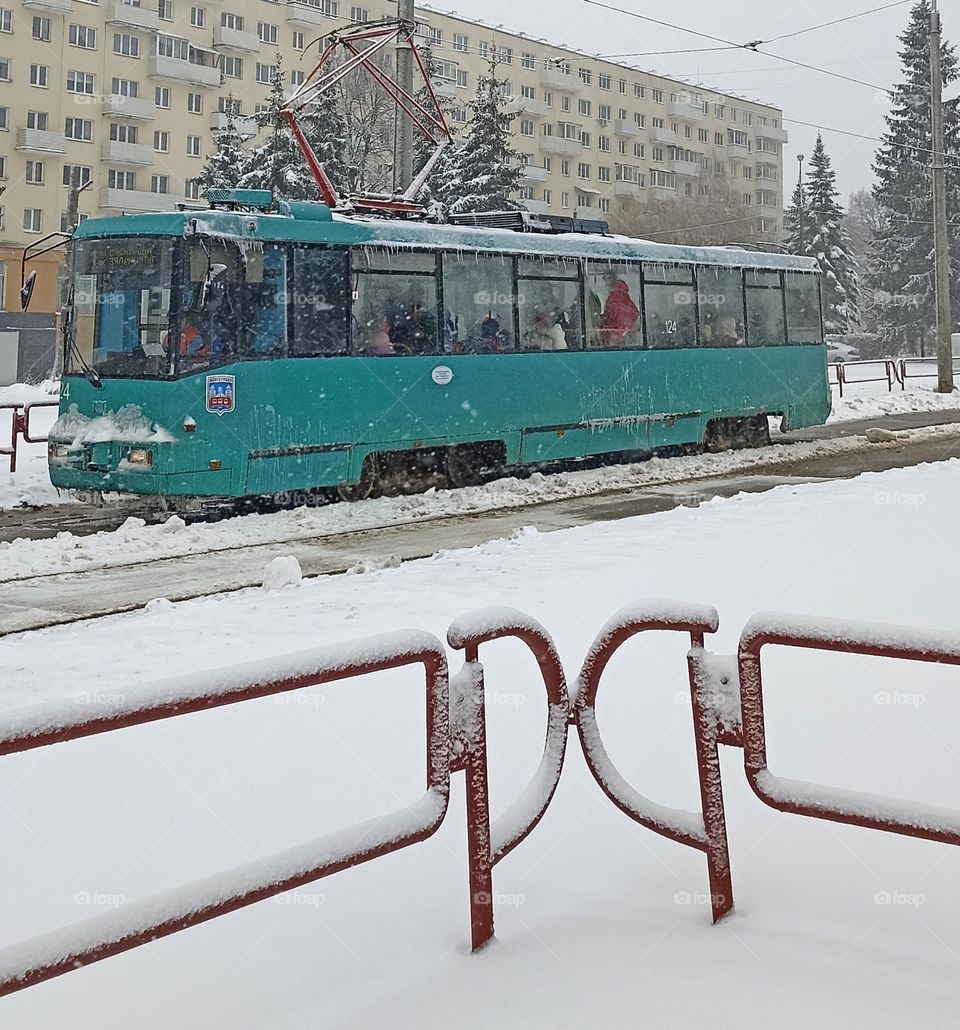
{"x":422,"y":147}
{"x":326,"y":129}
{"x":277,"y":164}
{"x":796,"y":217}
{"x":224,"y":168}
{"x":483,"y":173}
{"x":901,"y":276}
{"x":825,"y":238}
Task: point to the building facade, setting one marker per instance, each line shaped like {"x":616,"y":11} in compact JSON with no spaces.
{"x":130,"y":96}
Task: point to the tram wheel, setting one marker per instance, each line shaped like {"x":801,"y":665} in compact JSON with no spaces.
{"x":462,"y":468}
{"x":756,"y":431}
{"x":364,"y":488}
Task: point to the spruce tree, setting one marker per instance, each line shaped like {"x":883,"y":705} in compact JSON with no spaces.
{"x":224,"y":168}
{"x":277,"y":164}
{"x":901,"y":277}
{"x":825,"y":238}
{"x":423,"y":148}
{"x":796,"y":219}
{"x":483,"y":172}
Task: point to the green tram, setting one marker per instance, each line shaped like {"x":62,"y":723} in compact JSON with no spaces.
{"x":239,"y":353}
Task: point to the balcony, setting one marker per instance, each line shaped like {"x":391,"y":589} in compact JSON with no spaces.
{"x":306,"y":16}
{"x":235,"y":39}
{"x":770,"y":132}
{"x":625,"y":127}
{"x":663,"y":136}
{"x":767,"y":198}
{"x":559,"y":145}
{"x":686,"y":110}
{"x":175,"y":69}
{"x":246,"y":125}
{"x":39,"y":141}
{"x":135,"y":108}
{"x":623,"y":188}
{"x":565,"y":82}
{"x":49,"y":6}
{"x":738,"y":151}
{"x":533,"y":108}
{"x":691,"y":168}
{"x":138,"y":200}
{"x":119,"y":13}
{"x":533,"y":173}
{"x":126,"y":153}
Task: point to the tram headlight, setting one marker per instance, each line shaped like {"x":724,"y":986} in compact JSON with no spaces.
{"x":140,"y":457}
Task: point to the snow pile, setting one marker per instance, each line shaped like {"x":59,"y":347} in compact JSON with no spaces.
{"x":282,"y":572}
{"x":126,"y":425}
{"x":30,"y":484}
{"x":871,"y":400}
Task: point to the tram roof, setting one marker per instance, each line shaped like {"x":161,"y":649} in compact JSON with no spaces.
{"x":310,"y":222}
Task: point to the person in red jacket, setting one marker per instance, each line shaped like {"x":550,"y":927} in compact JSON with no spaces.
{"x":620,"y":315}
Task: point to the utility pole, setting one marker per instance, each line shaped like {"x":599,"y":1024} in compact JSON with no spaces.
{"x":800,"y":201}
{"x":941,"y":253}
{"x":403,"y":170}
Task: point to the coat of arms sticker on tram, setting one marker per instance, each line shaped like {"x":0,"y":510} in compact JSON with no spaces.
{"x":220,"y":394}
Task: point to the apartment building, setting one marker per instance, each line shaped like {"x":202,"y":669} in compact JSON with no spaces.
{"x":132,"y":94}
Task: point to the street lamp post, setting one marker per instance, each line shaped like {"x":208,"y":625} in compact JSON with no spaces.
{"x":800,"y":201}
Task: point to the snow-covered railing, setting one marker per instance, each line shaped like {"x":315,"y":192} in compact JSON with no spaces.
{"x":881,"y":370}
{"x":920,"y":368}
{"x":727,"y":702}
{"x":20,"y":427}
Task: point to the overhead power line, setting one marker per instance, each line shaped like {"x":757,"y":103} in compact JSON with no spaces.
{"x":837,"y":21}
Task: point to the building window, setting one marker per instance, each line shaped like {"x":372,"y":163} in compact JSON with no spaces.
{"x":194,"y":146}
{"x":657,"y":95}
{"x":191,"y":189}
{"x":461,"y":43}
{"x":2,"y":270}
{"x":359,"y":15}
{"x":564,"y":199}
{"x":37,"y":120}
{"x":527,"y":128}
{"x":41,"y":29}
{"x":84,"y":172}
{"x":4,"y":118}
{"x":125,"y":88}
{"x":126,"y":45}
{"x":603,"y":112}
{"x":583,"y":170}
{"x":231,"y":21}
{"x":117,"y":180}
{"x":34,"y":174}
{"x":81,"y":82}
{"x":505,"y":54}
{"x":165,"y":10}
{"x":603,"y":144}
{"x":38,"y":75}
{"x":6,"y":20}
{"x":159,"y":183}
{"x":198,"y":17}
{"x":586,"y":76}
{"x":298,"y":41}
{"x":603,"y":80}
{"x":32,"y":219}
{"x":528,"y":61}
{"x":83,"y":36}
{"x":161,"y":97}
{"x":266,"y":73}
{"x":195,"y":103}
{"x":585,"y":107}
{"x":665,"y":180}
{"x":266,"y":32}
{"x":232,"y":67}
{"x":548,"y":196}
{"x":459,"y":114}
{"x":603,"y":174}
{"x":123,"y":133}
{"x":161,"y":142}
{"x":78,"y":129}
{"x":463,"y":78}
{"x":638,"y":149}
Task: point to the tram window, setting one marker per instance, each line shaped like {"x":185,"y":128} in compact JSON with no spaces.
{"x":265,"y":296}
{"x":550,"y":317}
{"x":803,"y":308}
{"x":375,"y":259}
{"x":720,"y":300}
{"x":478,"y":298}
{"x":669,"y":299}
{"x":765,"y":327}
{"x":613,"y":305}
{"x":210,"y":305}
{"x":548,"y":267}
{"x":319,"y":301}
{"x":394,"y":314}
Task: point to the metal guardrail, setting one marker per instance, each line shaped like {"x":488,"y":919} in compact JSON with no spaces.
{"x":20,"y":428}
{"x":880,"y":370}
{"x":727,"y":702}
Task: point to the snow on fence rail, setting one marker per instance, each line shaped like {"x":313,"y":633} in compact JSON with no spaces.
{"x":20,"y":427}
{"x":727,"y":699}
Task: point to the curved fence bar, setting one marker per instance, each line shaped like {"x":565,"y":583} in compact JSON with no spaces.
{"x":831,"y":803}
{"x":488,"y":844}
{"x":704,"y":830}
{"x":52,"y":954}
{"x":20,"y":427}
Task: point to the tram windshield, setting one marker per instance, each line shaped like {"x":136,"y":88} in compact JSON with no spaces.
{"x":121,"y":305}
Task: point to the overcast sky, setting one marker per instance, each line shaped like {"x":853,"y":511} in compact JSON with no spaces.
{"x":865,"y":48}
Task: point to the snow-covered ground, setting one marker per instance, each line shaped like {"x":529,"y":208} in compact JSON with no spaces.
{"x":869,"y":400}
{"x":599,"y":922}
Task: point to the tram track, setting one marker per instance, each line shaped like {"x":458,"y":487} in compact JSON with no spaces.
{"x":56,"y":598}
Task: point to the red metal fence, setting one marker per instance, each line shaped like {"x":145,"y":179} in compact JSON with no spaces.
{"x":20,"y":427}
{"x":727,"y":703}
